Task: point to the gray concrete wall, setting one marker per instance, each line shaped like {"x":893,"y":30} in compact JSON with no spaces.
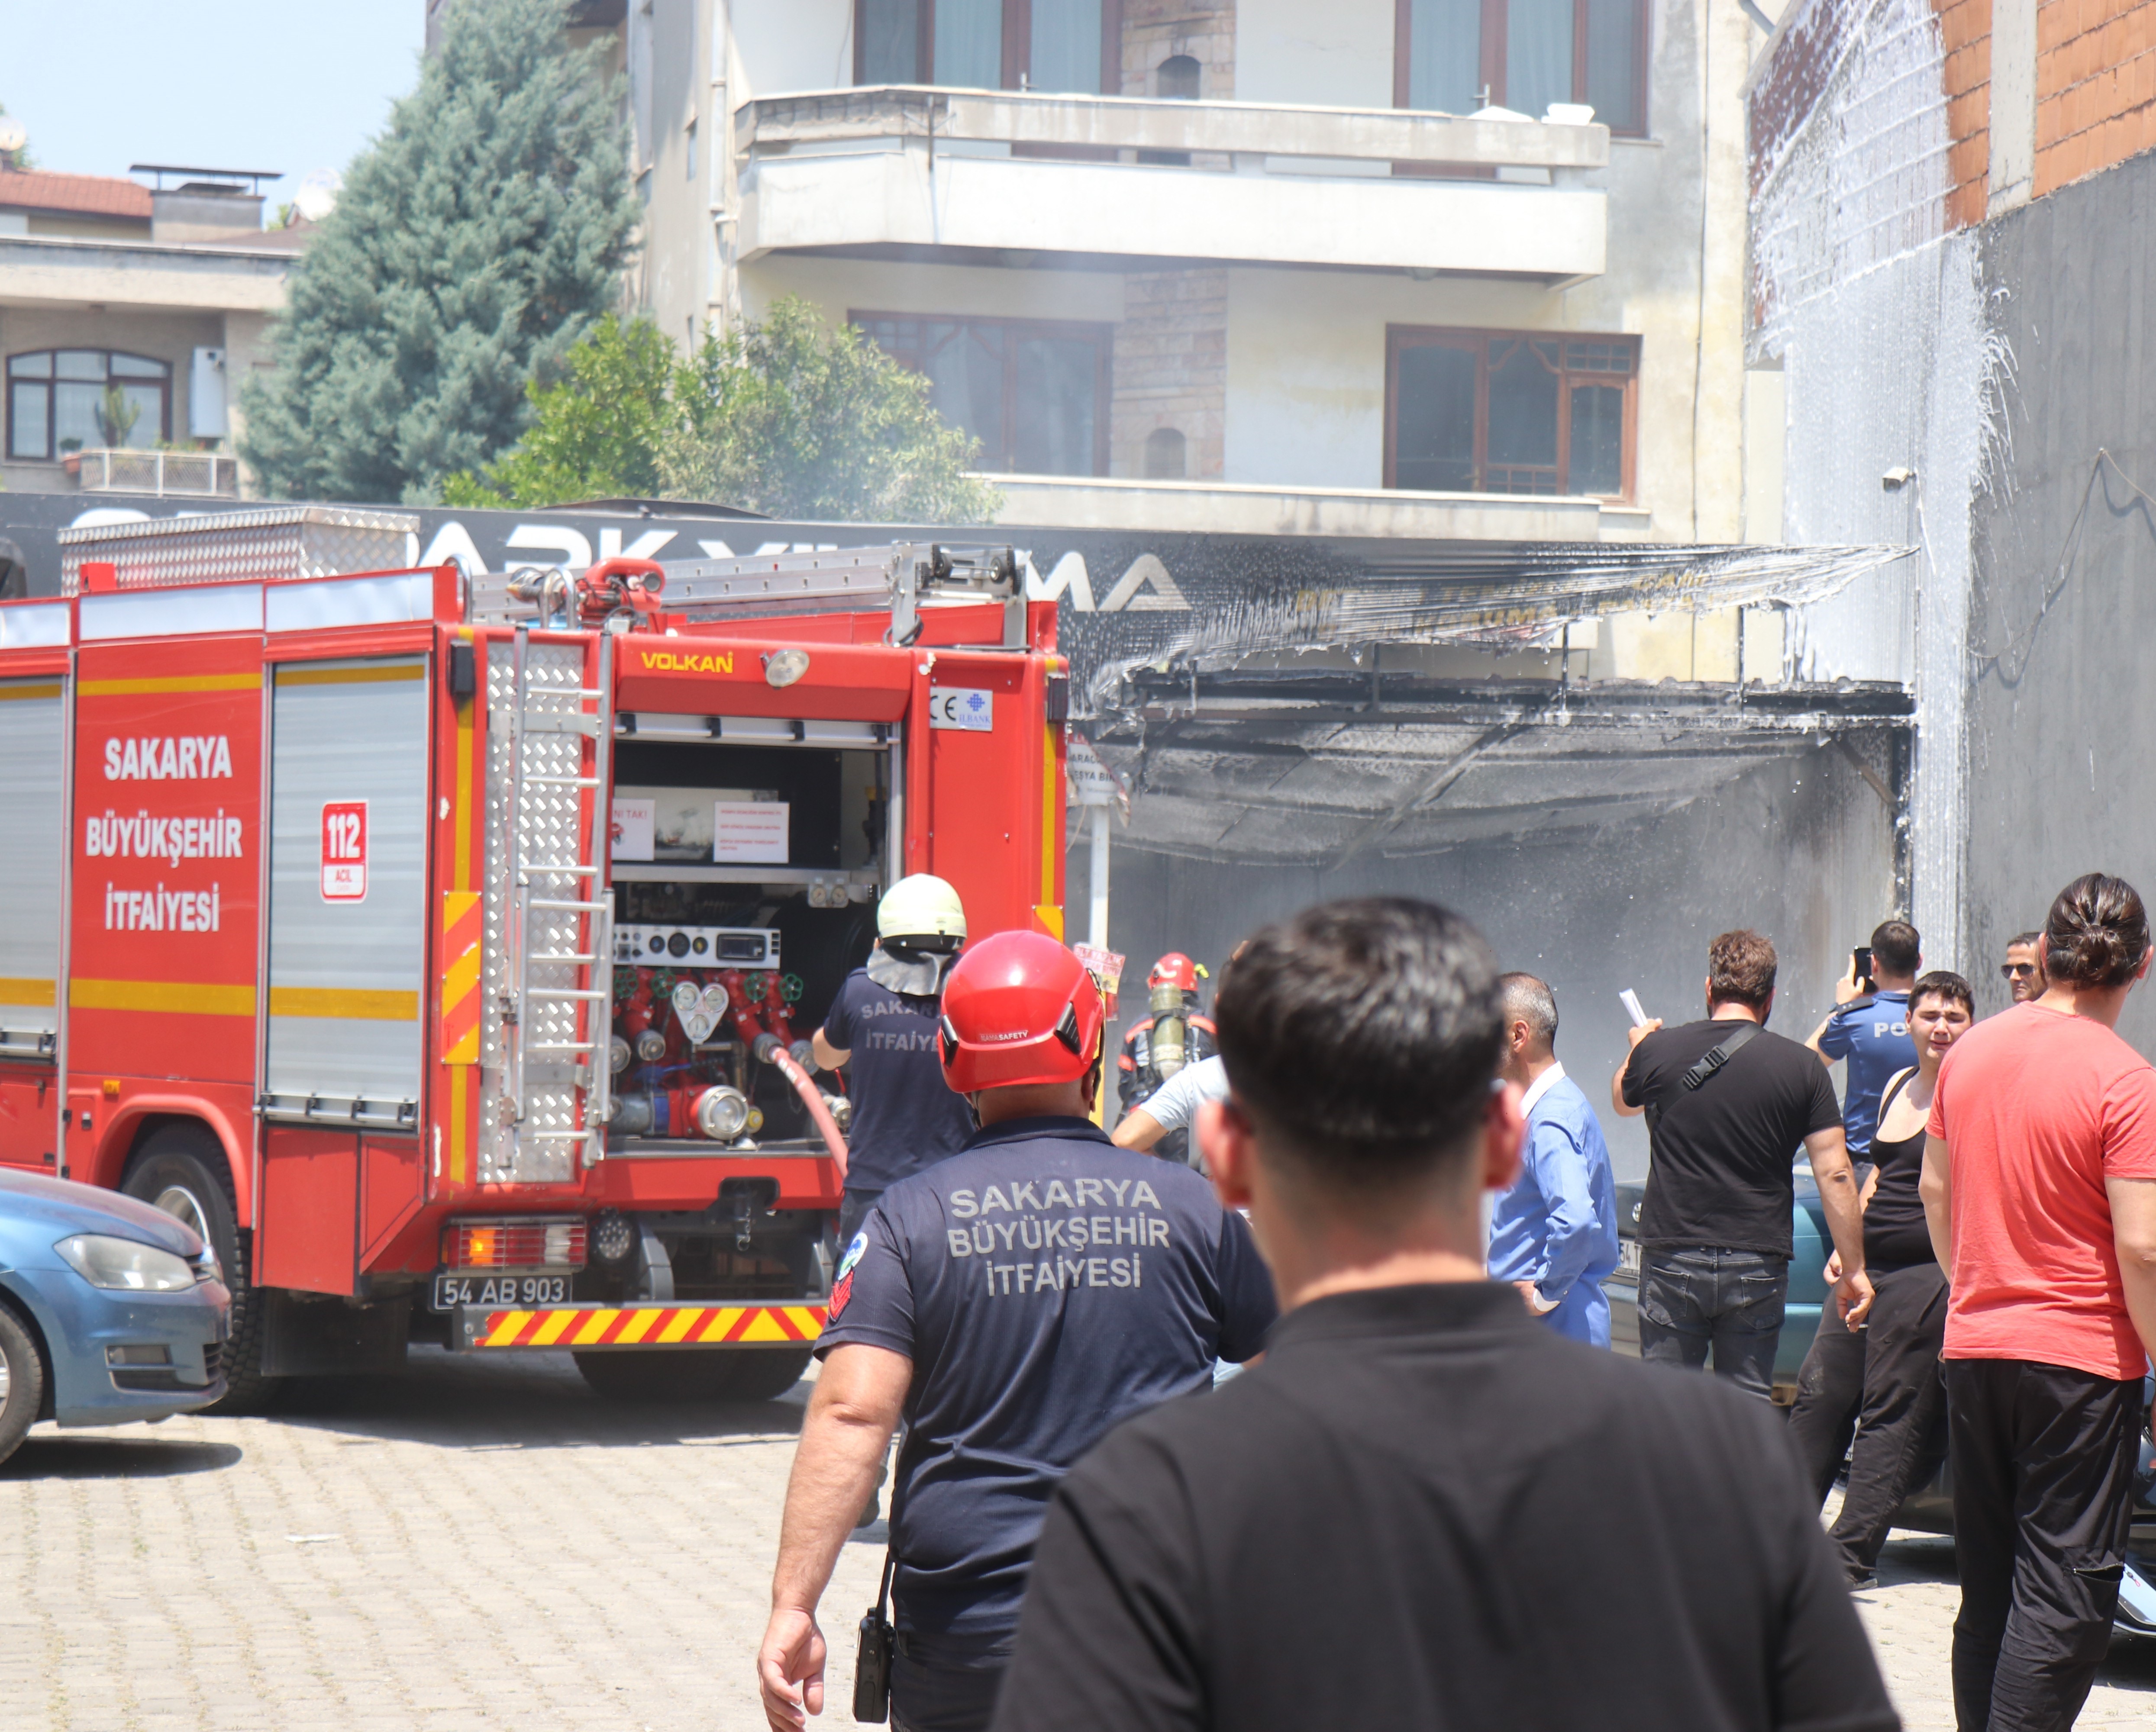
{"x":2062,"y":709}
{"x":1801,"y":850}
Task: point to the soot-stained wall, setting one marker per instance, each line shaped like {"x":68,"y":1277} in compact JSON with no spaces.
{"x":2063,"y":709}
{"x":1802,"y":850}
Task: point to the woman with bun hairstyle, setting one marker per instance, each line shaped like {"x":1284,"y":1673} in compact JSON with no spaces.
{"x":2040,"y":1195}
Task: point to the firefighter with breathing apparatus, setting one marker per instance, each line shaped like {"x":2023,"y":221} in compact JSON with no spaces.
{"x":882,"y":1026}
{"x":1011,"y":1305}
{"x":1172,"y":1037}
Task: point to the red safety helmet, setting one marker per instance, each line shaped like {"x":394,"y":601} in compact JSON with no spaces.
{"x":1019,"y":1008}
{"x":1174,"y":969}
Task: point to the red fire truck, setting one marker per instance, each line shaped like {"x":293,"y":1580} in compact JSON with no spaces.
{"x":443,"y":946}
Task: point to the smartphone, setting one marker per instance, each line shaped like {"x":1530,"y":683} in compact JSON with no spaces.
{"x":1861,"y":963}
{"x":1630,"y":1000}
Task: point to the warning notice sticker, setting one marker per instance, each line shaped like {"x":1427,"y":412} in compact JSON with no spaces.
{"x":344,"y":851}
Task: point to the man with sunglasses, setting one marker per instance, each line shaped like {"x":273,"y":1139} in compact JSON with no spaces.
{"x":1011,"y":1305}
{"x":2024,"y":967}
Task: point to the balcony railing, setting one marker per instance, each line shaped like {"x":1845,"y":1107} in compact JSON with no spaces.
{"x":778,"y":124}
{"x":194,"y":474}
{"x":1020,"y":175}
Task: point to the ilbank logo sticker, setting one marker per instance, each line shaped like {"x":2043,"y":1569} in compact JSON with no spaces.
{"x":344,"y":851}
{"x":966,"y":707}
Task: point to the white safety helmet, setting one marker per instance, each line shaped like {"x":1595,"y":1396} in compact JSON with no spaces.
{"x":923,"y":912}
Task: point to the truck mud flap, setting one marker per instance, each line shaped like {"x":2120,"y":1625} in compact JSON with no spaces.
{"x":584,"y":1326}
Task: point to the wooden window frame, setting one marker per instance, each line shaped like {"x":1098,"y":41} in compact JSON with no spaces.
{"x":1018,"y":44}
{"x":1399,"y":338}
{"x":1490,"y":74}
{"x":52,"y":380}
{"x":1102,"y":337}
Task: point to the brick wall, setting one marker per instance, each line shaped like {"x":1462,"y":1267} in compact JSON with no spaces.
{"x":1965,"y":33}
{"x":2096,"y":86}
{"x":1171,"y":370}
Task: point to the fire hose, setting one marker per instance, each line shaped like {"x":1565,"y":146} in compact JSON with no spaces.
{"x":773,"y":1052}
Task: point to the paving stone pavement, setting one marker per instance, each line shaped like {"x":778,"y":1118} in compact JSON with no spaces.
{"x":468,"y":1546}
{"x":475,"y":1546}
{"x":1910,"y":1614}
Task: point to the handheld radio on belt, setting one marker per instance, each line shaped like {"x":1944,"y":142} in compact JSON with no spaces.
{"x":872,"y":1665}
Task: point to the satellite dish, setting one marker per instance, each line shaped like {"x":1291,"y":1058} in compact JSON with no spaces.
{"x":317,"y":196}
{"x":12,"y":137}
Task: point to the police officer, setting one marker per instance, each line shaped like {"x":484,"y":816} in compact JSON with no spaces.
{"x":1169,"y":1040}
{"x":883,"y":1025}
{"x":1011,"y":1305}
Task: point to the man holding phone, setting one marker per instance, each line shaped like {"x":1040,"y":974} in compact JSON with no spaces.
{"x":1870,"y":1027}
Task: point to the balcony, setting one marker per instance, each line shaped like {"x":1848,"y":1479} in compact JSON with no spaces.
{"x":205,"y":475}
{"x":898,"y":172}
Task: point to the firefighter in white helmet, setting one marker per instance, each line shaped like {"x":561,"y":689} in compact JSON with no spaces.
{"x":882,"y":1027}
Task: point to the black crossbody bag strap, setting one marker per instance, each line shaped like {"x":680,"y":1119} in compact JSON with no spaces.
{"x":872,"y":1663}
{"x":1709,"y":1063}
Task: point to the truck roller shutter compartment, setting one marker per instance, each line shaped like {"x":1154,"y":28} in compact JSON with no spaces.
{"x":347,"y":893}
{"x":33,"y":847}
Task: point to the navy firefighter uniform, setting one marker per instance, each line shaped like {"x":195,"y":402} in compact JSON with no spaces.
{"x":1046,"y":1285}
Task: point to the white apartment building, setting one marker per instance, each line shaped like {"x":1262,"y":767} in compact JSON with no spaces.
{"x":130,"y":316}
{"x":1466,"y":268}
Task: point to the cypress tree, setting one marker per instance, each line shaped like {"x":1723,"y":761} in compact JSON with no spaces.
{"x":473,"y":244}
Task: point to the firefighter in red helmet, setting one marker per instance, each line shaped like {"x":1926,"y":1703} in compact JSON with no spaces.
{"x":1171,"y":1038}
{"x":1011,"y":1305}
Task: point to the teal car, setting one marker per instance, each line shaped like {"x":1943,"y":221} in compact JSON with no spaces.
{"x":1929,"y":1509}
{"x":1809,"y":1249}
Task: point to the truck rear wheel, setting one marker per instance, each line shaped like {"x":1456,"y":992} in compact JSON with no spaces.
{"x":181,"y":1169}
{"x":718,"y":1373}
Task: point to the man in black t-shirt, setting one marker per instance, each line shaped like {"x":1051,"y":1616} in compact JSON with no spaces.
{"x":1424,"y":1510}
{"x":882,"y":1027}
{"x":1010,"y":1304}
{"x":1728,"y":1104}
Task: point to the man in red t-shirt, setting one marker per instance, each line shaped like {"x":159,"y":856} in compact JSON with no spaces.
{"x":2040,"y":1190}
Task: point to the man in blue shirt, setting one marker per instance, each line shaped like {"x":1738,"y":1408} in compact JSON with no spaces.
{"x":1011,"y":1305}
{"x":1871,"y":1029}
{"x":1553,"y":1235}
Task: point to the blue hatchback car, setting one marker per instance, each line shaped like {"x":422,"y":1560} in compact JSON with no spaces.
{"x":110,"y":1310}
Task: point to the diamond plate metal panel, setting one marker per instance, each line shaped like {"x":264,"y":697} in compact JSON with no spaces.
{"x":266,"y":546}
{"x":555,"y":830}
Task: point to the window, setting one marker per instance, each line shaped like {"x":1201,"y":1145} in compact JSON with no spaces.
{"x":990,"y":45}
{"x":1164,"y":455}
{"x":63,"y":400}
{"x":1035,"y":395}
{"x":1509,"y":411}
{"x":691,"y":144}
{"x":1525,"y":54}
{"x":1175,"y":80}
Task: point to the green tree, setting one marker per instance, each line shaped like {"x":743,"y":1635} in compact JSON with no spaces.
{"x":596,"y":432}
{"x":802,"y":419}
{"x":791,"y":417}
{"x":473,"y":244}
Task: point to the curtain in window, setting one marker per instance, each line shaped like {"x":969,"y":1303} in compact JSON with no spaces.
{"x":891,"y":41}
{"x":1597,"y":439}
{"x":1055,"y":396}
{"x":1434,"y":439}
{"x":1444,"y":55}
{"x":969,"y":43}
{"x":1614,"y":47}
{"x":1538,"y":54}
{"x":1067,"y":46}
{"x":965,"y":367}
{"x":1522,"y":446}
